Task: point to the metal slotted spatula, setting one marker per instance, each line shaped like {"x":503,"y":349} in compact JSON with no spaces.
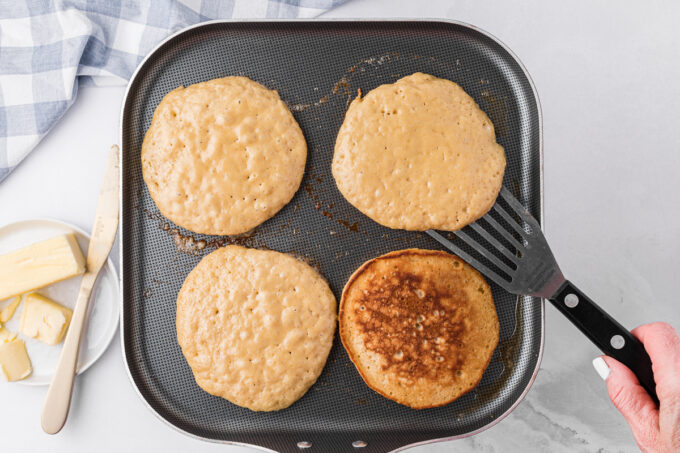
{"x":517,"y":257}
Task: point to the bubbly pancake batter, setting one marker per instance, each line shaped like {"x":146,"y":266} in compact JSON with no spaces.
{"x":419,"y":325}
{"x":222,"y":156}
{"x":418,"y":154}
{"x":255,"y":326}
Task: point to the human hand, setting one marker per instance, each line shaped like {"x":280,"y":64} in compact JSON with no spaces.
{"x":656,"y":429}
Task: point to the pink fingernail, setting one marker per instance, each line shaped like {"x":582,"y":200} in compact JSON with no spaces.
{"x":601,"y":367}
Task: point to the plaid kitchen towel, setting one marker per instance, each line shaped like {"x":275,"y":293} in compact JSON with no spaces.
{"x":48,"y":47}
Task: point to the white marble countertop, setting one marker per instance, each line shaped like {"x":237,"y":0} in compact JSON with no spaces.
{"x":607,"y":76}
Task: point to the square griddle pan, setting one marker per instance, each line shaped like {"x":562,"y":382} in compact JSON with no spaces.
{"x":317,"y":68}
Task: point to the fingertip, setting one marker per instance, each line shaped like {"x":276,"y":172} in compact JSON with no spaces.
{"x":640,"y":331}
{"x":653,"y":330}
{"x":601,"y":367}
{"x":662,"y":343}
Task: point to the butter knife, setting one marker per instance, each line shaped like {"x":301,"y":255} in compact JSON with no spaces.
{"x":58,"y":399}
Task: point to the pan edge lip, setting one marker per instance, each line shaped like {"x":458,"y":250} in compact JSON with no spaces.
{"x":172,"y":36}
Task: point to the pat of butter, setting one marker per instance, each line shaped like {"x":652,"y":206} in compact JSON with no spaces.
{"x":39,"y":265}
{"x":44,"y":319}
{"x":14,"y":360}
{"x":6,"y":335}
{"x":7,"y":312}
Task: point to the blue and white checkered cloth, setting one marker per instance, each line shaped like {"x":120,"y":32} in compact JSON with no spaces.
{"x":48,"y":47}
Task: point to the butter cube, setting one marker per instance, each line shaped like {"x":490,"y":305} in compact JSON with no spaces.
{"x":7,"y":312}
{"x":44,"y":319}
{"x":39,"y":265}
{"x":6,"y":335}
{"x":14,"y":360}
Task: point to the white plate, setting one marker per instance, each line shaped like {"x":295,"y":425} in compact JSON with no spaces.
{"x":103,"y":308}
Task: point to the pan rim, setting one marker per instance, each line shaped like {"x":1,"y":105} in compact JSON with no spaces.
{"x":134,"y":75}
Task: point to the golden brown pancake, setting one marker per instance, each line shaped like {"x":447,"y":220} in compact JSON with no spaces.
{"x":419,"y":325}
{"x":418,"y":154}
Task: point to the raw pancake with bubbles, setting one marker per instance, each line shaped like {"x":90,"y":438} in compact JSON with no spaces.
{"x":255,"y":326}
{"x":222,"y":156}
{"x":419,"y":325}
{"x":418,"y":154}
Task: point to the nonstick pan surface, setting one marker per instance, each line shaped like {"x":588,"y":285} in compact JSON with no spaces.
{"x":317,"y":68}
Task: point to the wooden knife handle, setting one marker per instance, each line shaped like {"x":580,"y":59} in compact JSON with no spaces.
{"x":58,"y":400}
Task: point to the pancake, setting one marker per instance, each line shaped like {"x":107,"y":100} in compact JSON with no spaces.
{"x":419,"y":325}
{"x":255,"y":326}
{"x":222,"y":156}
{"x":418,"y":154}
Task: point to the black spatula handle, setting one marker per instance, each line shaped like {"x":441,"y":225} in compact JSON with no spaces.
{"x":607,"y":334}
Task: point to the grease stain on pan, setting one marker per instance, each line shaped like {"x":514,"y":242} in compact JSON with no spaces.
{"x":303,"y":107}
{"x":192,"y":245}
{"x":497,"y":109}
{"x":343,"y":86}
{"x":325,"y":207}
{"x":189,"y":244}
